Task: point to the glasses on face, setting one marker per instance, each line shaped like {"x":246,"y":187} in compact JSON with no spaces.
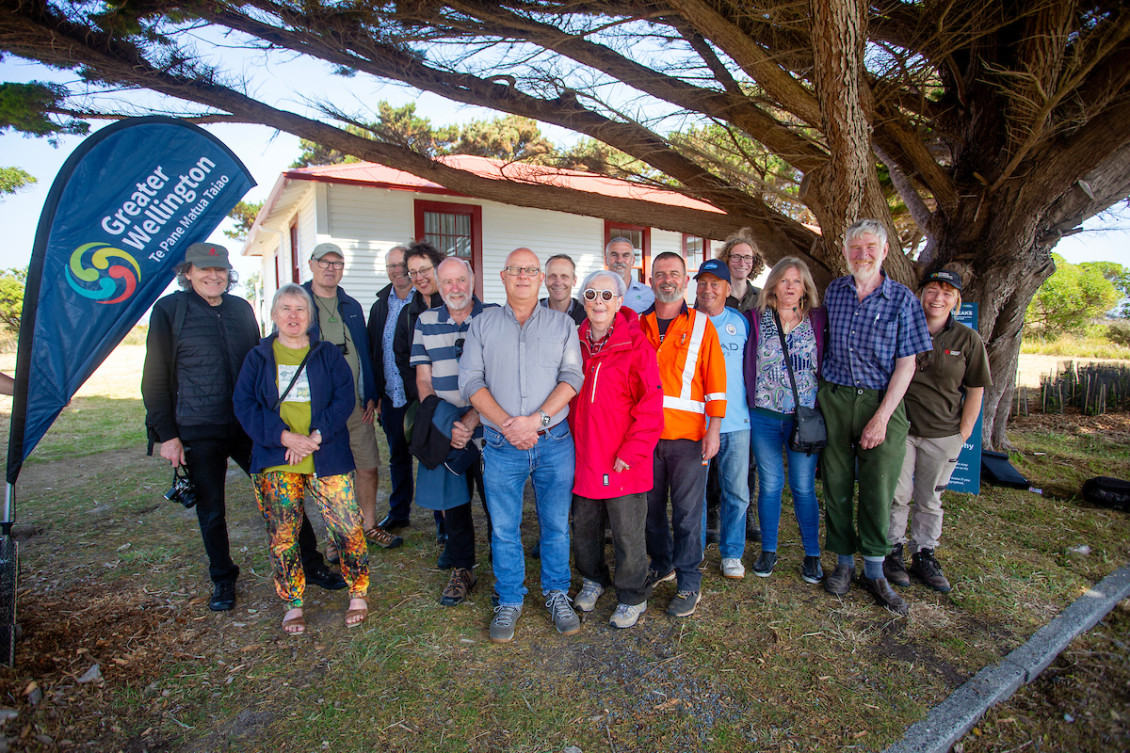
{"x":527,"y":271}
{"x":604,"y":295}
{"x":397,"y":267}
{"x":747,"y":258}
{"x":327,"y":264}
{"x":419,"y":273}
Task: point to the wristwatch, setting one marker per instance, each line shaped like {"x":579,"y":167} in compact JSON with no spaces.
{"x":544,"y":417}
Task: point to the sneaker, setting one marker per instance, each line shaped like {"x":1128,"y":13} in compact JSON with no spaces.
{"x":811,"y":570}
{"x":627,"y":615}
{"x":223,"y":596}
{"x":684,"y":603}
{"x":887,"y":597}
{"x":894,"y":569}
{"x":503,"y":624}
{"x":763,"y":568}
{"x":564,"y":618}
{"x":458,"y":586}
{"x":590,"y":592}
{"x":326,"y":578}
{"x":732,"y":567}
{"x":839,"y":582}
{"x":654,"y":577}
{"x":382,"y":538}
{"x":927,"y":568}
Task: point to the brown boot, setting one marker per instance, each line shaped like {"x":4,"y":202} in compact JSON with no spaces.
{"x":461,"y":583}
{"x":894,"y":569}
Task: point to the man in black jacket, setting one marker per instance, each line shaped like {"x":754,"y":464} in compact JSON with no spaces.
{"x":197,"y":341}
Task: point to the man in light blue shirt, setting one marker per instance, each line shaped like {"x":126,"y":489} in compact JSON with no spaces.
{"x":619,"y":257}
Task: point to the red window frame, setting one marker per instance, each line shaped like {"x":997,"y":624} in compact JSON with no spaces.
{"x":686,"y":254}
{"x":618,"y":229}
{"x":475,"y":212}
{"x":295,"y":272}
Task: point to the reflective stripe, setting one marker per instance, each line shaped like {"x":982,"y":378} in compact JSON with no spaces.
{"x":678,"y":403}
{"x":716,"y":396}
{"x":697,"y":331}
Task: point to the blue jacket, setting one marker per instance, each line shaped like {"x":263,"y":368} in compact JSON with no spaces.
{"x":331,"y":403}
{"x":354,"y":317}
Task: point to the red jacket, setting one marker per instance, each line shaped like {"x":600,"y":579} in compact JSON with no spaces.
{"x":617,"y":413}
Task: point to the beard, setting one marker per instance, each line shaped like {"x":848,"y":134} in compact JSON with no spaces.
{"x":673,"y":296}
{"x":456,"y":301}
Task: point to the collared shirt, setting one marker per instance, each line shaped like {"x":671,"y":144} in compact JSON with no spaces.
{"x":576,"y":310}
{"x":733,"y":332}
{"x":868,"y":336}
{"x":935,"y":395}
{"x":747,"y":301}
{"x":521,"y":364}
{"x":438,"y":342}
{"x":639,"y":297}
{"x":394,"y":385}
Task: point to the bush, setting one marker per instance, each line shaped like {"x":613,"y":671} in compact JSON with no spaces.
{"x":1119,"y":333}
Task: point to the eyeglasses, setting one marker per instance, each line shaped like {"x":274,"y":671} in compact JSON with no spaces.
{"x":747,"y":258}
{"x":421,"y":272}
{"x":325,"y":264}
{"x":604,"y":295}
{"x":397,"y":267}
{"x":528,"y":271}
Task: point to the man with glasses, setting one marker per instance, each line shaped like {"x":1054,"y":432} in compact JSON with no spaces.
{"x":339,"y":319}
{"x":560,"y":277}
{"x":521,"y":366}
{"x":620,"y":257}
{"x":392,"y":402}
{"x":437,"y":346}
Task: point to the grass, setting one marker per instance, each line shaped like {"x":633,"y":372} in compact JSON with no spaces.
{"x":773,"y":664}
{"x":1075,"y":346}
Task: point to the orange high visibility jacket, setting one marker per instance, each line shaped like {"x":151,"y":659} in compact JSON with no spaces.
{"x":692,"y":370}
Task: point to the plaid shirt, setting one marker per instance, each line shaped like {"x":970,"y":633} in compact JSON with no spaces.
{"x":868,"y":336}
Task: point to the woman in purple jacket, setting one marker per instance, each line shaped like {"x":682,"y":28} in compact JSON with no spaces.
{"x":294,"y":397}
{"x":788,"y":305}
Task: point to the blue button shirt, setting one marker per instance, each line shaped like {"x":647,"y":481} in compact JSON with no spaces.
{"x":868,"y":336}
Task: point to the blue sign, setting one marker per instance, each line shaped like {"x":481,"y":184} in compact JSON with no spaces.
{"x":967,"y":473}
{"x":120,"y":214}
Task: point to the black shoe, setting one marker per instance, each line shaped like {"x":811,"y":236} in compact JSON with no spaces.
{"x":752,"y":530}
{"x":927,"y":568}
{"x":444,"y":561}
{"x":763,"y":568}
{"x":894,"y":569}
{"x":839,"y":582}
{"x":441,"y":532}
{"x":811,"y":570}
{"x":223,"y":596}
{"x":887,"y":597}
{"x":391,"y":524}
{"x":326,"y":578}
{"x":536,"y":551}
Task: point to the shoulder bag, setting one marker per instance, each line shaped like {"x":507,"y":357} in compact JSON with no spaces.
{"x":809,"y":432}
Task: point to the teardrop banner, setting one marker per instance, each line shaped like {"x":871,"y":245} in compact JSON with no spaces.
{"x":123,"y":209}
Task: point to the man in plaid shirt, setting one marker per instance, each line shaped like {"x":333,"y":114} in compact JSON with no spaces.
{"x":876,"y":329}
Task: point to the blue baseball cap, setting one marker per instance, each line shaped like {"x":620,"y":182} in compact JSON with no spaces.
{"x":714,"y":267}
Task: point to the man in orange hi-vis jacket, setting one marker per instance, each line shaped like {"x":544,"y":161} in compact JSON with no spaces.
{"x":693,"y":373}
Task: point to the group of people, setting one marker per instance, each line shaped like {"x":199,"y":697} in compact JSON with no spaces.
{"x":616,"y":406}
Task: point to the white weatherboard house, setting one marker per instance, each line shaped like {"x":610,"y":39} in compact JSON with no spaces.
{"x":366,"y":209}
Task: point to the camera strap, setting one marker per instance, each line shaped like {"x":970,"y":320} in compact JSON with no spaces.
{"x":293,"y":379}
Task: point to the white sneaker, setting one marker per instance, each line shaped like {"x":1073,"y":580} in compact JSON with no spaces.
{"x":732,"y":567}
{"x":627,"y":615}
{"x":589,"y":593}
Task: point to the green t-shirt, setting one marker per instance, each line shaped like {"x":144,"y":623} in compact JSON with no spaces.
{"x":333,"y":330}
{"x":934,"y":398}
{"x":295,"y":409}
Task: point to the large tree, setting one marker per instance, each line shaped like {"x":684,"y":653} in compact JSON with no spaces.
{"x":997,"y":125}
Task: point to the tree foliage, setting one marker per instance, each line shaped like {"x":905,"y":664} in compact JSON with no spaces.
{"x":12,"y":179}
{"x":12,"y":283}
{"x":1119,"y":276}
{"x":1074,"y":296}
{"x":243,"y":214}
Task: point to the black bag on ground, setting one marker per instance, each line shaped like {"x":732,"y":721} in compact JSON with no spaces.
{"x":1105,"y":491}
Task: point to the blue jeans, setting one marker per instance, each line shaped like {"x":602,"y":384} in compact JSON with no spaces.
{"x":732,"y":462}
{"x":770,"y":438}
{"x":680,"y":474}
{"x":549,"y":464}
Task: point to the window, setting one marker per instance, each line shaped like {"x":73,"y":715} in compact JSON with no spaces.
{"x":456,"y":230}
{"x":696,"y":250}
{"x":295,"y":272}
{"x":640,"y":237}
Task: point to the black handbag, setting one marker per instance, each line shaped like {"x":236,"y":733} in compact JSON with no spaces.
{"x":809,"y":432}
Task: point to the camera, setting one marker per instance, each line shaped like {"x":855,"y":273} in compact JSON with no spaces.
{"x":181,"y":490}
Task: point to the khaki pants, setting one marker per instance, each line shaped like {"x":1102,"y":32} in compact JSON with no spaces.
{"x":926,"y":471}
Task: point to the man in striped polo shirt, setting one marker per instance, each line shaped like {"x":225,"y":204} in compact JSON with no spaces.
{"x":437,"y":345}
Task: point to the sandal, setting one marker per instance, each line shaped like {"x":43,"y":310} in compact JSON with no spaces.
{"x":295,"y":621}
{"x":356,"y":615}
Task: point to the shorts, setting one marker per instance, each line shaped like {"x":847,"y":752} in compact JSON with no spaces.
{"x":363,"y":440}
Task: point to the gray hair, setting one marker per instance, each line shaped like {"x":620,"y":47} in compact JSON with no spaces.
{"x":620,"y":239}
{"x":466,"y":266}
{"x":292,"y":290}
{"x":183,"y":268}
{"x":617,"y":281}
{"x":864,"y":227}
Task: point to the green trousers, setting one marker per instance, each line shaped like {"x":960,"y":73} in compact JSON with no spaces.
{"x":846,"y":412}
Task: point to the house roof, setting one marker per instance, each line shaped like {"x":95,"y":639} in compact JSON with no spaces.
{"x":289,"y":187}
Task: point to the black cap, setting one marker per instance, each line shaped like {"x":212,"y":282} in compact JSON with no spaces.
{"x":943,"y":275}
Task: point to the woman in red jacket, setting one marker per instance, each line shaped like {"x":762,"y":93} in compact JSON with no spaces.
{"x":616,"y":420}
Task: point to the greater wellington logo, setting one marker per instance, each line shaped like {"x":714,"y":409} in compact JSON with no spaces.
{"x":100,"y":280}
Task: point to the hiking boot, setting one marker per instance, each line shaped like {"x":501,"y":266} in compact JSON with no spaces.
{"x":458,"y":586}
{"x":881,"y":589}
{"x":839,"y":582}
{"x":732,"y":568}
{"x":590,"y":592}
{"x":223,"y":596}
{"x":627,"y":615}
{"x":382,"y":538}
{"x":564,"y":618}
{"x":763,"y":568}
{"x":654,"y":577}
{"x":894,"y":569}
{"x":811,"y":570}
{"x":503,"y":624}
{"x":684,"y":603}
{"x":925,"y":567}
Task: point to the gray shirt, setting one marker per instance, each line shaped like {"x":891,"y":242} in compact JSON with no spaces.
{"x":639,"y":297}
{"x":521,"y":364}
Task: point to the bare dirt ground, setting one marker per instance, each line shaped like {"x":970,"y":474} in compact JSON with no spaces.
{"x":1033,"y":366}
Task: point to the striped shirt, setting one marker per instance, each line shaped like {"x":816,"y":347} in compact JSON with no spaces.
{"x":868,"y":336}
{"x":438,"y":342}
